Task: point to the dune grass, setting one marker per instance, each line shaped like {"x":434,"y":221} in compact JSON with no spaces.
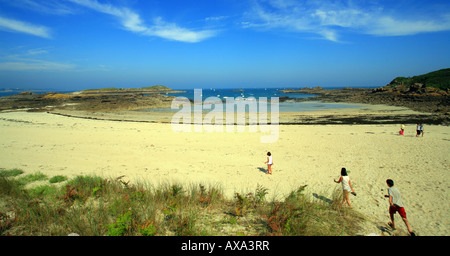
{"x":95,"y":206}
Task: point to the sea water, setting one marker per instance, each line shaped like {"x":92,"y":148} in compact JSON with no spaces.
{"x":256,"y":94}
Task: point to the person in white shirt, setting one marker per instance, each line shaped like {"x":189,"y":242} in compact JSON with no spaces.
{"x":269,"y":163}
{"x":346,"y":186}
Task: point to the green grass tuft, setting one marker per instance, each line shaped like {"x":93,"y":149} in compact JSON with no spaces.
{"x":10,"y":173}
{"x":58,"y":179}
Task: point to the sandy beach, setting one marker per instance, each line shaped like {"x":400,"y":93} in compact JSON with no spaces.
{"x":303,"y":155}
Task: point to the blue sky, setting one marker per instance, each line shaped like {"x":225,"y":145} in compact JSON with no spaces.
{"x":80,"y":44}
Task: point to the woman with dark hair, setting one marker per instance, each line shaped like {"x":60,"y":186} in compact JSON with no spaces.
{"x":346,"y":186}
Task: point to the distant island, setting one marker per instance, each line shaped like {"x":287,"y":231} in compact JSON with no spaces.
{"x":19,"y":90}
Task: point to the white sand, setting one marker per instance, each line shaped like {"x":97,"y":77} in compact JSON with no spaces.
{"x":308,"y":154}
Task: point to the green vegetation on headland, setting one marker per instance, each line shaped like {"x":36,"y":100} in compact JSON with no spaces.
{"x":94,"y":206}
{"x":438,"y":79}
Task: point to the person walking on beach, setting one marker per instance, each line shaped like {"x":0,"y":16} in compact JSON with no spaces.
{"x":402,"y":129}
{"x":269,"y":163}
{"x":419,"y":129}
{"x":346,"y":186}
{"x":396,"y":205}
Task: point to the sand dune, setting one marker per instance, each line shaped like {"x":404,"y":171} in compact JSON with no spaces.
{"x":303,"y":154}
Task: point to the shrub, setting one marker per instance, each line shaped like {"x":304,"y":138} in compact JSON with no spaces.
{"x":32,"y":178}
{"x":10,"y":173}
{"x":147,"y":229}
{"x":57,"y":179}
{"x":44,"y":190}
{"x":120,"y":226}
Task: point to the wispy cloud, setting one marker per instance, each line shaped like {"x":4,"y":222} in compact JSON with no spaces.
{"x":174,"y":32}
{"x":329,"y":19}
{"x":389,"y":26}
{"x":132,"y":21}
{"x":216,"y":18}
{"x":50,"y":7}
{"x":24,"y":27}
{"x":35,"y":65}
{"x":32,"y":59}
{"x":37,"y":51}
{"x":129,"y":19}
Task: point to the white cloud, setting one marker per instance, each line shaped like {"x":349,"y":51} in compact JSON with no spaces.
{"x":37,"y":51}
{"x":215,"y":18}
{"x":35,"y":65}
{"x":32,"y":59}
{"x":131,"y":21}
{"x":328,"y":19}
{"x":174,"y":32}
{"x":389,"y":26}
{"x":342,"y":18}
{"x":24,"y":27}
{"x":48,"y":7}
{"x":329,"y":34}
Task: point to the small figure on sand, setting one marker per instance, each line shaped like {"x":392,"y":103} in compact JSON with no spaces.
{"x":402,"y":129}
{"x":346,"y":186}
{"x":269,"y":163}
{"x":419,"y":129}
{"x":396,"y":205}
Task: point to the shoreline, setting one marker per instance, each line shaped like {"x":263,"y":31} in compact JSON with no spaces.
{"x":361,"y":114}
{"x":103,"y":105}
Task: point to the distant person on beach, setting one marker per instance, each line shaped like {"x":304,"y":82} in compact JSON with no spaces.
{"x":269,"y":163}
{"x":396,"y":205}
{"x":346,"y":186}
{"x":419,"y":129}
{"x":402,"y":129}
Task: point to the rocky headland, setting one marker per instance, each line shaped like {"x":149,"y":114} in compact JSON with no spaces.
{"x":428,"y":93}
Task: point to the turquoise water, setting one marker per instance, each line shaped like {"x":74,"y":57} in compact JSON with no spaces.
{"x":253,"y":96}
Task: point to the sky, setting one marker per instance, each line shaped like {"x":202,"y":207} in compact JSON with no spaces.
{"x":82,"y":44}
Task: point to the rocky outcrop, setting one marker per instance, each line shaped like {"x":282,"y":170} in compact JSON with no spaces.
{"x":415,"y":97}
{"x":414,"y":89}
{"x":91,"y":102}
